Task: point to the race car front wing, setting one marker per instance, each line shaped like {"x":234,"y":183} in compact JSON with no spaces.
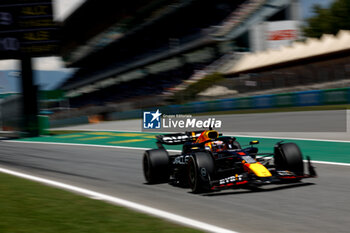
{"x":278,"y":177}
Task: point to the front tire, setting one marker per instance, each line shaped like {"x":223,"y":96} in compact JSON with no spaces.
{"x":289,"y":157}
{"x":200,"y":168}
{"x":156,"y":166}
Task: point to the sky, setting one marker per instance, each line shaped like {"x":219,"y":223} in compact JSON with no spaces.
{"x":307,"y":6}
{"x":62,"y":8}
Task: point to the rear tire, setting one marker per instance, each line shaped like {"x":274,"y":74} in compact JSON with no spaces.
{"x":200,"y":168}
{"x":289,"y":157}
{"x":156,"y":166}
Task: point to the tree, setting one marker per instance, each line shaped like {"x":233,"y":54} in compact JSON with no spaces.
{"x":329,"y":21}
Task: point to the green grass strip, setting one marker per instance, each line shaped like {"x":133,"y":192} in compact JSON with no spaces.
{"x":29,"y":207}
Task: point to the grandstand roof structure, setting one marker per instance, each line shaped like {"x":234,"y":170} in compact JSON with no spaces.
{"x":136,"y":33}
{"x":132,"y":49}
{"x":98,"y":27}
{"x":107,"y":38}
{"x":298,"y":52}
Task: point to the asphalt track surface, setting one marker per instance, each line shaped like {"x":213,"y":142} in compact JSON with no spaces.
{"x":315,"y":205}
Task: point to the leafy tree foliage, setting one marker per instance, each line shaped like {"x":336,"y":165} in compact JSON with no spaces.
{"x":329,"y":21}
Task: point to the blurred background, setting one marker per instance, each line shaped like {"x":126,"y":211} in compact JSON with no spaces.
{"x":117,"y":58}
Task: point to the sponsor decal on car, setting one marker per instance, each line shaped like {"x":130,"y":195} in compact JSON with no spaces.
{"x":181,"y":160}
{"x":231,"y":179}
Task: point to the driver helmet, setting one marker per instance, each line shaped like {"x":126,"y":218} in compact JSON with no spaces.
{"x":215,"y":146}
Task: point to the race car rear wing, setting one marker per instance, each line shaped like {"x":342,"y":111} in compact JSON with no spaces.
{"x":177,"y":138}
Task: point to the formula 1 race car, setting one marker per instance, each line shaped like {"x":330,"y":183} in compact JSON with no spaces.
{"x":212,"y":162}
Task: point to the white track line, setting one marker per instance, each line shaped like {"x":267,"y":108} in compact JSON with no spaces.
{"x":78,"y":144}
{"x":139,"y":207}
{"x":329,"y":163}
{"x":88,"y":145}
{"x":141,"y":148}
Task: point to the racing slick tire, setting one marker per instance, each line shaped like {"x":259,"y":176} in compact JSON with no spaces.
{"x":288,"y":156}
{"x":200,"y":168}
{"x":156,"y":166}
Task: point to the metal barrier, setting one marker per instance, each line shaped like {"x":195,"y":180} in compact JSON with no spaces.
{"x":69,"y":121}
{"x":293,"y":99}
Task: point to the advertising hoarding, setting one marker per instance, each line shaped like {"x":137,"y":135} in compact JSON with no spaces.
{"x":27,"y":29}
{"x":273,"y":35}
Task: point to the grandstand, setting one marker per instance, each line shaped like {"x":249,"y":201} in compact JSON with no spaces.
{"x":125,"y":51}
{"x":314,"y":64}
